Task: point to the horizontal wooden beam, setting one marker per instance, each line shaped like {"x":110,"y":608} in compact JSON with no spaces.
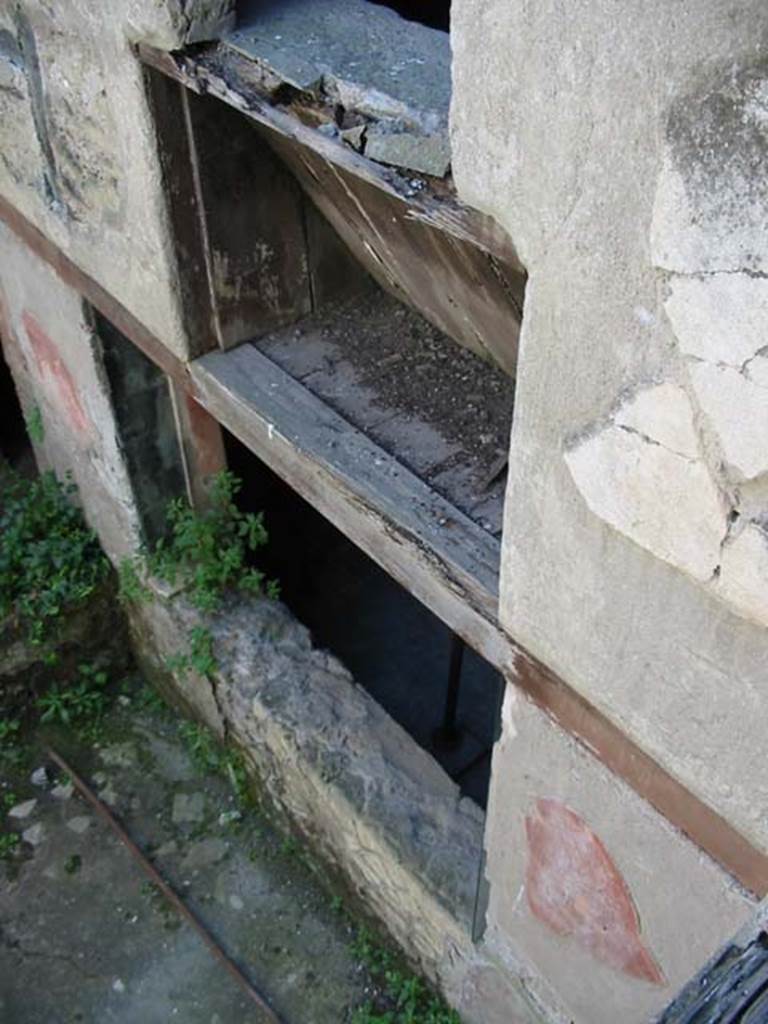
{"x":464,"y":602}
{"x":93,"y":292}
{"x":436,"y":552}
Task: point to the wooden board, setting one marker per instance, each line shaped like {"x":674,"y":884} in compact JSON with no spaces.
{"x":167,"y":101}
{"x":437,"y":553}
{"x":451,"y":282}
{"x":254,"y":224}
{"x":217,"y":72}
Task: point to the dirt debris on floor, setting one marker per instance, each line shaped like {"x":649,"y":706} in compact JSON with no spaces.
{"x":442,"y":410}
{"x":85,"y":937}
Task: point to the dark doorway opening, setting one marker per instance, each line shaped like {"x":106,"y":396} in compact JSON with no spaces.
{"x":393,"y":646}
{"x":434,"y":13}
{"x":15,"y":447}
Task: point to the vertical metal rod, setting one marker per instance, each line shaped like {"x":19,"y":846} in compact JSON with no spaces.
{"x":448,"y":734}
{"x":454,"y":686}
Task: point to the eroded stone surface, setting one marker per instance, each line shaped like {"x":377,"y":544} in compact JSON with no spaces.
{"x":661,"y":500}
{"x":345,"y":777}
{"x":394,"y":74}
{"x":188,"y":807}
{"x":709,"y":212}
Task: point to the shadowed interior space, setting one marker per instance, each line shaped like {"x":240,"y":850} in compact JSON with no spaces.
{"x":434,"y":13}
{"x":393,"y":646}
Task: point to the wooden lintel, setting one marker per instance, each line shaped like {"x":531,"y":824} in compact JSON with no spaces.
{"x":468,"y":605}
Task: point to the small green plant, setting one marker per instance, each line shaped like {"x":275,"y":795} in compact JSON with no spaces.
{"x":8,"y":800}
{"x":289,"y":847}
{"x":210,"y":756}
{"x":130,"y":587}
{"x":10,"y":741}
{"x":72,"y":864}
{"x":34,"y":423}
{"x":49,"y":560}
{"x":208,"y":550}
{"x":9,"y":845}
{"x":200,"y":656}
{"x":81,"y":704}
{"x":205,"y":752}
{"x":148,"y":699}
{"x":405,"y":999}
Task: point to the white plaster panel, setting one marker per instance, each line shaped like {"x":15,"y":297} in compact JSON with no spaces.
{"x":737,"y":409}
{"x":722,"y":318}
{"x":664,"y":414}
{"x":659,"y":499}
{"x":744,"y":573}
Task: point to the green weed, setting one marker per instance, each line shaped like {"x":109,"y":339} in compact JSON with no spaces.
{"x":49,"y":560}
{"x":9,"y":845}
{"x":72,"y":864}
{"x":34,"y":424}
{"x":81,"y":704}
{"x":405,"y":998}
{"x":210,"y":756}
{"x":130,"y":587}
{"x":11,"y":752}
{"x":208,"y":550}
{"x":148,"y":699}
{"x":200,"y":657}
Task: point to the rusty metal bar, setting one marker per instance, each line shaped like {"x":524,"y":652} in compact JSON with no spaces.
{"x":166,"y":889}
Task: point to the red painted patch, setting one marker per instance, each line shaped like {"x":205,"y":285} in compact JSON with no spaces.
{"x":51,"y":367}
{"x":206,"y":433}
{"x":575,"y":888}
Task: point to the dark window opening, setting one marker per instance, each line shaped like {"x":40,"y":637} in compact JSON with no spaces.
{"x":393,"y":646}
{"x":145,"y":425}
{"x":434,"y":13}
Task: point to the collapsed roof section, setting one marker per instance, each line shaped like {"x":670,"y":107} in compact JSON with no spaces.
{"x":379,"y":83}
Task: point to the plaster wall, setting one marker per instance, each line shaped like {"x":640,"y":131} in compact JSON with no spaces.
{"x":51,"y":347}
{"x":623,"y":147}
{"x":590,"y":888}
{"x":77,"y":152}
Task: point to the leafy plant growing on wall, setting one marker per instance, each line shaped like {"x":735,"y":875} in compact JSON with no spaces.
{"x":50,"y":561}
{"x":207,"y":553}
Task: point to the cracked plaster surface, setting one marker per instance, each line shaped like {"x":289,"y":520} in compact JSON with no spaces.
{"x":706,"y":517}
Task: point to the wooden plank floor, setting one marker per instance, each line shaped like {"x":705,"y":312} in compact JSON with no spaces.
{"x":427,"y":544}
{"x":443,"y":412}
